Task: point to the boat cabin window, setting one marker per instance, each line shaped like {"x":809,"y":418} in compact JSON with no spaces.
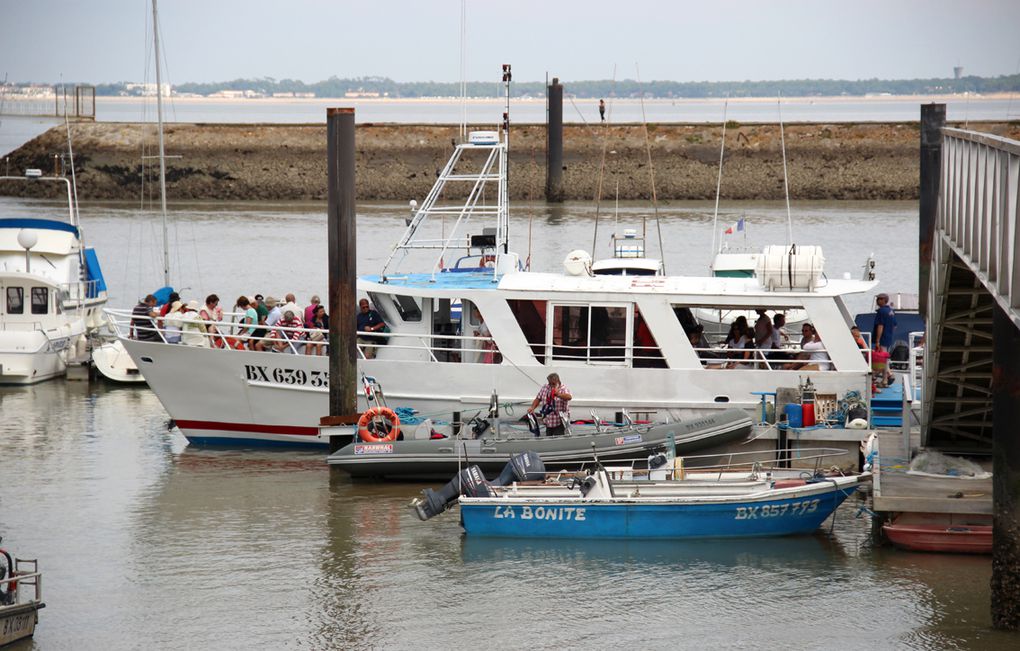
{"x":530,"y":316}
{"x":590,"y":333}
{"x":477,"y":343}
{"x":407,"y":307}
{"x":40,"y":300}
{"x":15,"y":300}
{"x":646,"y":351}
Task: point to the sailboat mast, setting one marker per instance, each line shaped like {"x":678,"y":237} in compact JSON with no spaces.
{"x":786,"y":176}
{"x":718,"y":181}
{"x":162,"y":152}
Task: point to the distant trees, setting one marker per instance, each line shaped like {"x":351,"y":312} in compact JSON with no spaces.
{"x":336,"y":87}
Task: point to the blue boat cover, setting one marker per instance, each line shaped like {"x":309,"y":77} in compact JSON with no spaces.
{"x":93,"y":273}
{"x":163,"y":295}
{"x":41,"y":224}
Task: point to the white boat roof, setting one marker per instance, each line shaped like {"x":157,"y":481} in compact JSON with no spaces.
{"x":730,"y":290}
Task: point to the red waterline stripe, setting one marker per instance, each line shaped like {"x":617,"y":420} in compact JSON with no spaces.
{"x":247,"y":427}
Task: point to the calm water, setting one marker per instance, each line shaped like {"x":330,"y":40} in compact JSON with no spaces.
{"x":853,"y":109}
{"x":147,"y":542}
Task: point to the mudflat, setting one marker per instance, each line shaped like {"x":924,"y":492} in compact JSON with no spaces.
{"x":115,"y":160}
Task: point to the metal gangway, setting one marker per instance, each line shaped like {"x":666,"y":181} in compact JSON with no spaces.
{"x":974,"y":281}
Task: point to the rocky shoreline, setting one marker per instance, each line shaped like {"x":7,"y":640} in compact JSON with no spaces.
{"x":274,"y":162}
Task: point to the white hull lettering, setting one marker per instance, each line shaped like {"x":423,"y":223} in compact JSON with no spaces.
{"x":776,"y":510}
{"x":570,"y":513}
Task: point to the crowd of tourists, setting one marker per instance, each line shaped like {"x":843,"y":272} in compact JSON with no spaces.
{"x":259,"y":323}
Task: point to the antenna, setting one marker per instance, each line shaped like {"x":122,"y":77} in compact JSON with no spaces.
{"x":786,"y":178}
{"x":718,"y":182}
{"x":651,"y":177}
{"x":602,"y":166}
{"x":463,"y":70}
{"x":507,"y":76}
{"x":74,"y":194}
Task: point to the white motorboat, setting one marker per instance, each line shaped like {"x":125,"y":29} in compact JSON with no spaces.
{"x":51,"y":291}
{"x":616,"y":339}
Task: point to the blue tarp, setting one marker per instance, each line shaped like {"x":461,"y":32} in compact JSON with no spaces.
{"x":41,"y":224}
{"x":93,"y":273}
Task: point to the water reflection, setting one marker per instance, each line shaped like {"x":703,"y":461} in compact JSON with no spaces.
{"x":811,"y":552}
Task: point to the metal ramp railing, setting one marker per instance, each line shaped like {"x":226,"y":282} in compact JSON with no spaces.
{"x":975,"y":269}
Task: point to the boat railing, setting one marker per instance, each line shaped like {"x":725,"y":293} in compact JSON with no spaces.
{"x":770,"y":359}
{"x":26,"y":573}
{"x":234,"y":335}
{"x":73,"y":295}
{"x":722,"y":465}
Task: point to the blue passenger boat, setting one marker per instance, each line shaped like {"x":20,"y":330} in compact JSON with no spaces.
{"x":611,"y":503}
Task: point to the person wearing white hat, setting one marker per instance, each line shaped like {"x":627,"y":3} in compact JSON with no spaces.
{"x":192,"y":329}
{"x":172,"y":323}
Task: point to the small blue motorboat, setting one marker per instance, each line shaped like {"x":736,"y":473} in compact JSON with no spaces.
{"x":607,"y":502}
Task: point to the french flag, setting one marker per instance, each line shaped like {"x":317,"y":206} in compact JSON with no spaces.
{"x":739,"y":226}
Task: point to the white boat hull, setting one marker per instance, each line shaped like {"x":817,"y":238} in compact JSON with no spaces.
{"x":114,"y":363}
{"x":229,"y":397}
{"x":28,"y":357}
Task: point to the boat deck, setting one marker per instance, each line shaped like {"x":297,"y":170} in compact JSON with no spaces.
{"x":896,"y":491}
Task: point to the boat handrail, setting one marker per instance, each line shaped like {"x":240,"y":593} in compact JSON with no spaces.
{"x":431,"y":343}
{"x":20,"y":578}
{"x":735,"y":462}
{"x":121,"y":319}
{"x":760,"y":358}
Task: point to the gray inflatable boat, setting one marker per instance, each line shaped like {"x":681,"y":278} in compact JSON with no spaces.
{"x":440,"y":458}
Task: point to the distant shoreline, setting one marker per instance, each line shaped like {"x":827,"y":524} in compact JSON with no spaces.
{"x":287,"y":162}
{"x":529,"y":100}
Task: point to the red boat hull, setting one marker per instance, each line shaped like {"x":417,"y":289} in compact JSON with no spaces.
{"x":946,"y":538}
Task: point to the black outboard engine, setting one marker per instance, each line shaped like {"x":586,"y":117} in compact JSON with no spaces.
{"x":526,"y":466}
{"x":657,"y":461}
{"x":470,"y":482}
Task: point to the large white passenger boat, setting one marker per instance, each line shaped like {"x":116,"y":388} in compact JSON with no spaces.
{"x":51,"y":291}
{"x":619,"y":340}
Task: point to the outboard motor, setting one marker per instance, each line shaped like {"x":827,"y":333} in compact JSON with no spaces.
{"x":470,"y":482}
{"x":584,"y":485}
{"x":526,"y":466}
{"x":657,"y":461}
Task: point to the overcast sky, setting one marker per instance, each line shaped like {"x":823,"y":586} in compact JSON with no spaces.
{"x":101,"y":41}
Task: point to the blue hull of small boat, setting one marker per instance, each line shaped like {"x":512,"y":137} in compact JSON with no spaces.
{"x":578,"y":519}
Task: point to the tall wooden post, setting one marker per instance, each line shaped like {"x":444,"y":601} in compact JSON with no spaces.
{"x":933,"y":118}
{"x":554,"y":144}
{"x":1005,"y":472}
{"x":342,"y":234}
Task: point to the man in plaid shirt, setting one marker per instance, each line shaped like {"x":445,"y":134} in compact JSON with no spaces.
{"x":552,"y":399}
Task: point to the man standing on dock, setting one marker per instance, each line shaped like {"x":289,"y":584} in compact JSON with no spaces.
{"x":602,"y":109}
{"x":885,"y":324}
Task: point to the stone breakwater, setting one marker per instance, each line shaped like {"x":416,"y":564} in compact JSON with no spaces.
{"x":400,"y":162}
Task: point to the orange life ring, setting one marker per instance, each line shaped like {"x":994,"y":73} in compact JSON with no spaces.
{"x":370,"y":437}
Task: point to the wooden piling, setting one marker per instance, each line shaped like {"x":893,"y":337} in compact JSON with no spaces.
{"x":342,"y":272}
{"x":554,"y":144}
{"x":933,"y":118}
{"x":1005,"y":473}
